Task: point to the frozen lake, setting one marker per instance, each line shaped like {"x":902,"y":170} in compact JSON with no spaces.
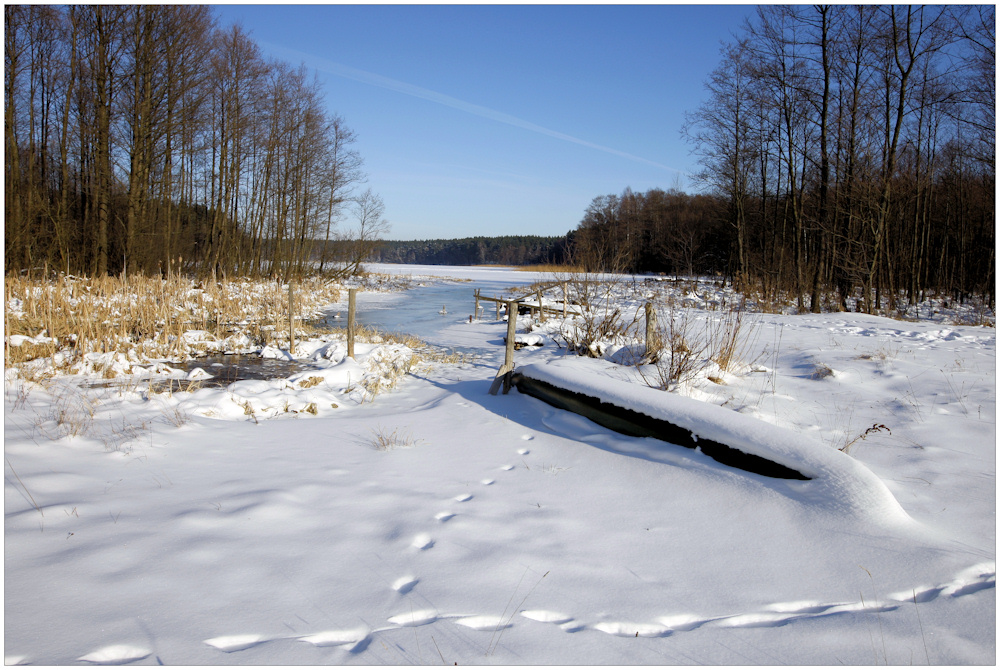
{"x":418,"y":311}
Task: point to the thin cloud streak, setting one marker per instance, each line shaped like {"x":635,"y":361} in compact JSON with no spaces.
{"x":373,"y":79}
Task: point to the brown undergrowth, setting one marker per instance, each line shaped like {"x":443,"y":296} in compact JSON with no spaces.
{"x":147,"y":316}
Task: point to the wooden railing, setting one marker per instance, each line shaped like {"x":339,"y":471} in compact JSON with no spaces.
{"x":513,"y":305}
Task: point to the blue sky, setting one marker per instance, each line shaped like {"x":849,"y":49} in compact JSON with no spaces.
{"x":504,"y":119}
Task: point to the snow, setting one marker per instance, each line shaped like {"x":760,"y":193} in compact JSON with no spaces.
{"x":529,"y":339}
{"x":18,"y":340}
{"x":835,"y":478}
{"x":258,"y":524}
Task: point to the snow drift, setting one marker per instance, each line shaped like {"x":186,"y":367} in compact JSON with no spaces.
{"x":832,"y":477}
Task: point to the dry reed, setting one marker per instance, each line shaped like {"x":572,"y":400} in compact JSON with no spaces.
{"x":145,"y":317}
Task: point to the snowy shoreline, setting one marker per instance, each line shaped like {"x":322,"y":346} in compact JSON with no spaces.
{"x":433,"y":522}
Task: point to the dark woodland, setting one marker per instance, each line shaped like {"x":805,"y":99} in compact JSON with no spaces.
{"x":146,"y":139}
{"x":845,"y":150}
{"x":501,"y":250}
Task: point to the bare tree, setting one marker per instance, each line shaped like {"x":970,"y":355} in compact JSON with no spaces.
{"x":721,"y":133}
{"x":357,"y":245}
{"x":136,"y":136}
{"x":341,"y":171}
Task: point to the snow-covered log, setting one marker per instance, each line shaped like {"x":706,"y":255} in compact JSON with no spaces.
{"x":630,"y":422}
{"x":832,"y":478}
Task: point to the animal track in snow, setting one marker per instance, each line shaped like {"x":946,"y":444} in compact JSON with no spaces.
{"x":484,"y":622}
{"x":546,"y":616}
{"x":334,"y":638}
{"x":444,"y":516}
{"x":465,"y":497}
{"x":506,"y":468}
{"x":405,"y":584}
{"x":625,"y":629}
{"x":971,"y":580}
{"x":682,"y":622}
{"x":854,"y":607}
{"x":523,"y":452}
{"x":758,"y":620}
{"x":414,"y":618}
{"x":527,"y":437}
{"x":799,"y":607}
{"x":422,"y":541}
{"x":115,"y":654}
{"x":488,"y":482}
{"x":230,"y":643}
{"x":921,"y":594}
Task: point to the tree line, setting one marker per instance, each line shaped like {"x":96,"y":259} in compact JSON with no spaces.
{"x":148,"y":139}
{"x":657,"y":231}
{"x":846,"y":148}
{"x":501,"y":250}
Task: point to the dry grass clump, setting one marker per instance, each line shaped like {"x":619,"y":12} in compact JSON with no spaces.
{"x":146,"y":317}
{"x":71,"y":413}
{"x":683,"y":351}
{"x":875,"y":428}
{"x":678,"y":354}
{"x":87,"y":411}
{"x":310,"y":382}
{"x":599,"y":319}
{"x":821,"y":371}
{"x":732,"y":336}
{"x":383,"y":440}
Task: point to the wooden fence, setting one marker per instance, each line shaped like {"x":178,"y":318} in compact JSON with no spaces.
{"x":514,"y":306}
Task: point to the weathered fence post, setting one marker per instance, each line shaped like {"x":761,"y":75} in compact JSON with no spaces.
{"x":652,"y":339}
{"x":291,"y":320}
{"x":541,"y":310}
{"x":351,"y":295}
{"x":511,"y":333}
{"x":476,"y":313}
{"x":504,"y":375}
{"x":565,"y":299}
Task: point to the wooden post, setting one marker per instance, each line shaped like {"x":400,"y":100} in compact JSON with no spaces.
{"x":497,"y":303}
{"x":476,"y":313}
{"x":541,"y":310}
{"x":652,"y":344}
{"x":565,"y":299}
{"x":291,"y":320}
{"x":504,"y":375}
{"x":351,"y":295}
{"x":508,"y":359}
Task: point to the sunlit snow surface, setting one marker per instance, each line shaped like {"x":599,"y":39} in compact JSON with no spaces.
{"x":184,"y":529}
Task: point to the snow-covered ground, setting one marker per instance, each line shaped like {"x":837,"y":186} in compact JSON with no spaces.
{"x":434,"y":523}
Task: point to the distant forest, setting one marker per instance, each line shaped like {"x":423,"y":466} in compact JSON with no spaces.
{"x":503,"y":250}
